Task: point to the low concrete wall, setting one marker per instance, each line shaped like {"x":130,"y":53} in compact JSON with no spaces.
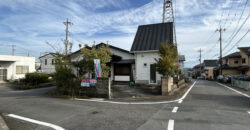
{"x":241,"y":84}
{"x":168,"y":87}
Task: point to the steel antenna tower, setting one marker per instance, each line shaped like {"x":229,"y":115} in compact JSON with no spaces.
{"x":168,"y":16}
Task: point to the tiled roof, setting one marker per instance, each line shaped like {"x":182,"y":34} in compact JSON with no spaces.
{"x":149,"y":37}
{"x":233,"y":55}
{"x":211,"y":63}
{"x":245,"y":49}
{"x":181,"y":58}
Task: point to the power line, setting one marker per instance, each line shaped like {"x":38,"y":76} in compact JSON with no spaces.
{"x":235,"y":14}
{"x":238,"y":41}
{"x":230,"y":37}
{"x":236,"y":32}
{"x":228,"y":15}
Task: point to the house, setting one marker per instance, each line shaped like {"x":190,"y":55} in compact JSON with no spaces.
{"x":205,"y":69}
{"x":146,"y":49}
{"x":181,"y":60}
{"x":208,"y":69}
{"x":47,"y":63}
{"x":15,"y":67}
{"x":237,"y":63}
{"x":197,"y":70}
{"x":122,"y":63}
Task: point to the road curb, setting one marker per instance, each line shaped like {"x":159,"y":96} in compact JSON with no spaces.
{"x":3,"y":125}
{"x":142,"y":102}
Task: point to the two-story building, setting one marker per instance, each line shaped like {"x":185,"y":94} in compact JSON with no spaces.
{"x":237,"y":63}
{"x":47,"y":63}
{"x":205,"y":69}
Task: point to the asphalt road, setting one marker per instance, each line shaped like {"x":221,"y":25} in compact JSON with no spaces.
{"x":208,"y":106}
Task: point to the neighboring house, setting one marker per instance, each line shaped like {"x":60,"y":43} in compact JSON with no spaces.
{"x":237,"y":63}
{"x":146,"y":49}
{"x":205,"y":69}
{"x":197,"y":70}
{"x":47,"y":63}
{"x":208,"y":69}
{"x":121,"y":64}
{"x":181,"y":60}
{"x":15,"y":67}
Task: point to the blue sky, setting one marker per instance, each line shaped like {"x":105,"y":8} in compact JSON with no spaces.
{"x":29,"y":24}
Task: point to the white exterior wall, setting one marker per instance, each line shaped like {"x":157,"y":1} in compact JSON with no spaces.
{"x":142,"y":72}
{"x":122,"y":54}
{"x":49,"y":68}
{"x":10,"y":63}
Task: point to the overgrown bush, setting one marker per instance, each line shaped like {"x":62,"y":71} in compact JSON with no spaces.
{"x":36,"y":78}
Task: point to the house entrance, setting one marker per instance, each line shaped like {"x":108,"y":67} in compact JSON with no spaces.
{"x":152,"y":74}
{"x":3,"y":74}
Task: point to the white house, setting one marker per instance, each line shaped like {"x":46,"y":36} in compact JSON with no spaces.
{"x":146,"y":49}
{"x":15,"y":67}
{"x":47,"y":63}
{"x":138,"y":64}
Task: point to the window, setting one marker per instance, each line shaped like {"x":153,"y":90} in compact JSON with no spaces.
{"x":22,"y":69}
{"x":243,"y":61}
{"x":45,"y":61}
{"x":236,"y":62}
{"x":122,"y":69}
{"x":52,"y":61}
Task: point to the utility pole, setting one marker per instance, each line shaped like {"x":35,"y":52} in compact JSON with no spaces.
{"x":220,"y":60}
{"x":66,"y":42}
{"x":200,"y":60}
{"x":13,"y":49}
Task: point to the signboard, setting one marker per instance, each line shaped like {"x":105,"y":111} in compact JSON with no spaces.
{"x":98,"y":71}
{"x":88,"y":82}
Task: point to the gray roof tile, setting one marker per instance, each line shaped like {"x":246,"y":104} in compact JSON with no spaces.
{"x":149,"y":37}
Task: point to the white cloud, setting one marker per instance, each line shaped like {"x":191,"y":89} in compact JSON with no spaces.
{"x":32,"y":23}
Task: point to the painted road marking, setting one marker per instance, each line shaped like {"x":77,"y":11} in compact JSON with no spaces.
{"x":171,"y":125}
{"x":248,"y":112}
{"x":180,"y":101}
{"x":140,"y":103}
{"x":175,"y":109}
{"x":36,"y":122}
{"x":234,"y":90}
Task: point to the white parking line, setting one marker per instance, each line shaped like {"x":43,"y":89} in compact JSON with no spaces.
{"x":175,"y":109}
{"x":36,"y":122}
{"x":140,"y":103}
{"x":171,"y":125}
{"x":248,"y":112}
{"x":234,"y":90}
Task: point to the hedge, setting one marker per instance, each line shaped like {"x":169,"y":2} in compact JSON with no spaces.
{"x":36,"y":78}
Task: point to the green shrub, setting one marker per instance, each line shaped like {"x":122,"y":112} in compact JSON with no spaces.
{"x":24,"y":87}
{"x":36,"y":78}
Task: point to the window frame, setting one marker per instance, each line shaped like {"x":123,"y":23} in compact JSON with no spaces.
{"x":244,"y":59}
{"x":22,"y":69}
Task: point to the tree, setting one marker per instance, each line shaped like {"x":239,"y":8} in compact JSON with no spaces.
{"x":166,"y":64}
{"x":103,"y":53}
